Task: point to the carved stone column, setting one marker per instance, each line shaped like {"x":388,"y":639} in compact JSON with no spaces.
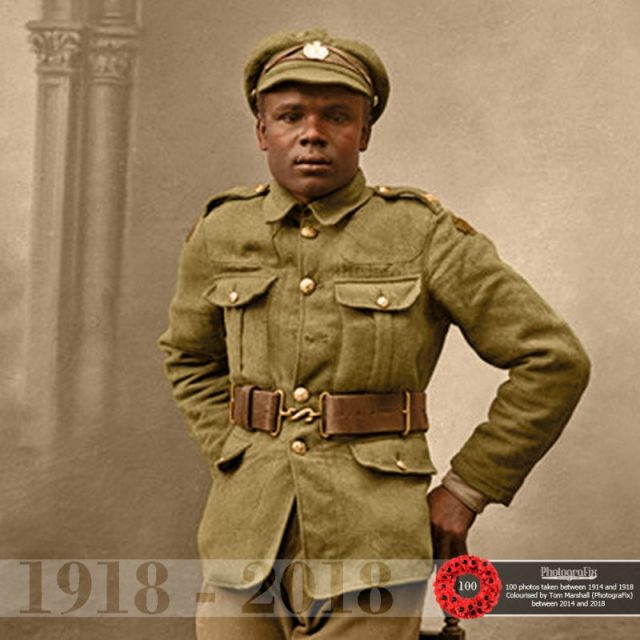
{"x":111,"y":56}
{"x":86,"y":53}
{"x":58,"y":43}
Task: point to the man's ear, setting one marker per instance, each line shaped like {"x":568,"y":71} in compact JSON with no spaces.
{"x":260,"y":133}
{"x":365,"y":136}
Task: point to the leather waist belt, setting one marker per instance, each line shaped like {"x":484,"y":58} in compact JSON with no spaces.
{"x":337,"y":414}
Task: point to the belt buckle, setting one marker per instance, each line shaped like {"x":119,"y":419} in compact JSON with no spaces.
{"x":321,"y":425}
{"x":232,"y":404}
{"x":406,"y":412}
{"x":279,"y":414}
{"x":306,"y":413}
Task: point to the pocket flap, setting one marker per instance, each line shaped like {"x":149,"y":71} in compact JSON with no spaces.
{"x":236,"y":290}
{"x":395,"y":454}
{"x":393,"y":294}
{"x":234,"y":447}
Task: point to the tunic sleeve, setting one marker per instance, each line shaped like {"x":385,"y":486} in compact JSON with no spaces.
{"x":511,"y":327}
{"x":195,"y":349}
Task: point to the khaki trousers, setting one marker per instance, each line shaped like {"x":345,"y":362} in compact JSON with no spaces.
{"x":292,"y":616}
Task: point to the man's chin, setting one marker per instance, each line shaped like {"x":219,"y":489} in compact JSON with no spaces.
{"x":313,"y":187}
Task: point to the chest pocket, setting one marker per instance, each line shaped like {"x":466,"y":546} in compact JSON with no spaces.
{"x":243,"y":296}
{"x":381,"y":322}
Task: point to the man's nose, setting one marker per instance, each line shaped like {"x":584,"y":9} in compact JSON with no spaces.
{"x":313,"y":133}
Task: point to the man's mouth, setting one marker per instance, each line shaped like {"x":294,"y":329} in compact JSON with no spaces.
{"x":312,"y":161}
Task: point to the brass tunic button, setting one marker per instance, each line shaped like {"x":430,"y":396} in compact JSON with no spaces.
{"x":382,"y":302}
{"x":301,"y":394}
{"x":233,"y":297}
{"x":260,"y":188}
{"x":307,"y":231}
{"x":307,"y":286}
{"x":401,"y":465}
{"x":299,"y":447}
{"x":383,"y":189}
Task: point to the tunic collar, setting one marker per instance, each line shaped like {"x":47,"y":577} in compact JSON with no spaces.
{"x":328,"y":210}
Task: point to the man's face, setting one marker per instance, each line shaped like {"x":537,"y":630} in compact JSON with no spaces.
{"x":313,"y":135}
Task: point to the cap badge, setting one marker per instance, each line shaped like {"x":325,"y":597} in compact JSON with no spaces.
{"x":315,"y":50}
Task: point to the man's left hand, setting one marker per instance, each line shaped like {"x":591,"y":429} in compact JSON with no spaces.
{"x":451,"y":520}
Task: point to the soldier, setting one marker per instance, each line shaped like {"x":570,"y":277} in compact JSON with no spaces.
{"x":308,"y":319}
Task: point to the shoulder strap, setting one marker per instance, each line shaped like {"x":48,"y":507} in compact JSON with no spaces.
{"x":237,"y":193}
{"x":426,"y":198}
{"x":394,"y":193}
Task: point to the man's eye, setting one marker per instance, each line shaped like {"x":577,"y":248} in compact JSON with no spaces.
{"x":338,"y":118}
{"x":289,"y":117}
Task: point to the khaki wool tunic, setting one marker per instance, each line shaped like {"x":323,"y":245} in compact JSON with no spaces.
{"x":351,"y":293}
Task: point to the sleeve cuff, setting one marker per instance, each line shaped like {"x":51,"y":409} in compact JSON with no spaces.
{"x":469,"y":496}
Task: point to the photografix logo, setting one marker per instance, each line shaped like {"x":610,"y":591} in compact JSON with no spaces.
{"x":563,"y":573}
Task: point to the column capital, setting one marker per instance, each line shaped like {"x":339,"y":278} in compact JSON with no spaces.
{"x":112,"y":52}
{"x":57,"y":46}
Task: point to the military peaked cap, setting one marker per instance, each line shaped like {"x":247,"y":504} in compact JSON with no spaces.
{"x":315,"y":57}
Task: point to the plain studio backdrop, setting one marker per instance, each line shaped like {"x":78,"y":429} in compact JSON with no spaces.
{"x":520,"y":116}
